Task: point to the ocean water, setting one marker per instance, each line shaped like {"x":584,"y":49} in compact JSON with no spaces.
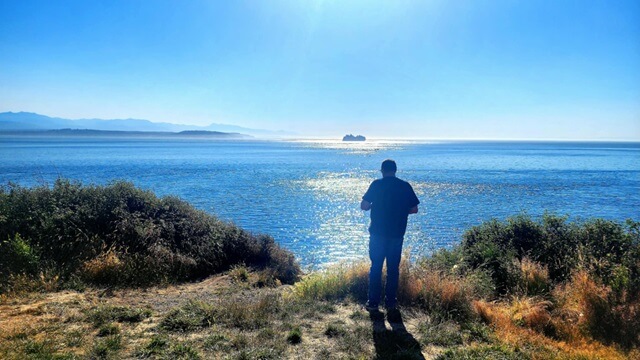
{"x":306,"y":194}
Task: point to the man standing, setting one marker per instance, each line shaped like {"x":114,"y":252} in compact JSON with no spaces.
{"x":391,"y":200}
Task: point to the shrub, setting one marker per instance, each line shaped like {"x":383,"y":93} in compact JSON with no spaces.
{"x":17,"y":257}
{"x":494,"y":258}
{"x":120,"y":235}
{"x":520,"y":253}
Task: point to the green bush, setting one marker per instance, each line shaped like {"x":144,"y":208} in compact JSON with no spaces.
{"x":17,"y":257}
{"x":121,"y":235}
{"x":606,"y":249}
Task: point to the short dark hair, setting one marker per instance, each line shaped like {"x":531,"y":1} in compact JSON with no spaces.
{"x":389,"y":166}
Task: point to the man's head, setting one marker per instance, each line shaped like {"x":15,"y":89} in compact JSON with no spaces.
{"x":389,"y":168}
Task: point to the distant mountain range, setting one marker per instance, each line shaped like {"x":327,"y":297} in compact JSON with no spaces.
{"x":25,"y":121}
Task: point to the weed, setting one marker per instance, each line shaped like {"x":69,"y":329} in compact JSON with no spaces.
{"x":216,"y":342}
{"x":534,"y":277}
{"x":108,"y":329}
{"x":191,"y":316}
{"x":240,"y":341}
{"x":239,"y":273}
{"x":105,"y":314}
{"x":358,"y":315}
{"x":105,"y":347}
{"x":324,"y":307}
{"x":335,"y":329}
{"x":597,"y":312}
{"x":530,"y":312}
{"x":261,"y":353}
{"x":494,"y":352}
{"x":182,"y":352}
{"x":446,"y":333}
{"x":39,"y":349}
{"x":294,"y":336}
{"x":74,"y":338}
{"x":155,"y":347}
{"x":335,"y":283}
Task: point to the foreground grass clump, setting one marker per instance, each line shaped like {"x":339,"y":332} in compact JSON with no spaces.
{"x":443,"y":295}
{"x":120,"y":235}
{"x":582,"y":275}
{"x":101,"y":315}
{"x":568,"y":282}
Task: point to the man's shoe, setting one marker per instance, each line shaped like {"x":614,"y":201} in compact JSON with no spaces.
{"x":393,"y":314}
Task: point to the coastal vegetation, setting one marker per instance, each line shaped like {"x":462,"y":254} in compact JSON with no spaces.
{"x":118,"y":235}
{"x":114,"y":271}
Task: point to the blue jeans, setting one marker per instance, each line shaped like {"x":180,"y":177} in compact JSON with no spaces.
{"x":381,"y":248}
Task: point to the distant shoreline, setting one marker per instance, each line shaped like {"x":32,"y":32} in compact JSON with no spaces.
{"x":130,"y":134}
{"x":205,"y":134}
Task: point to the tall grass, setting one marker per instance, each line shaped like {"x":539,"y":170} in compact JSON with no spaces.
{"x":443,"y":295}
{"x":337,"y":282}
{"x":569,"y":280}
{"x":565,"y":280}
{"x":122,"y":235}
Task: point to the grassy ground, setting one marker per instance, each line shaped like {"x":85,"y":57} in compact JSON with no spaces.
{"x":518,"y":288}
{"x":230,"y":316}
{"x":225,"y":316}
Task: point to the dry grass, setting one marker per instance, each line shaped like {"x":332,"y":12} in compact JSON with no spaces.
{"x":534,"y":277}
{"x":236,"y":319}
{"x":441,"y":294}
{"x":338,"y":282}
{"x":595,"y":311}
{"x":22,"y":284}
{"x":522,"y":322}
{"x":103,"y":268}
{"x":531,"y":312}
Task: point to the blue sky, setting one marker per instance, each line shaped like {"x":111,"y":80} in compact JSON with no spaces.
{"x":411,"y":69}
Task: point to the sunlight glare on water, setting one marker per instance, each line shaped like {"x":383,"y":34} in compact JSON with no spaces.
{"x":306,"y":193}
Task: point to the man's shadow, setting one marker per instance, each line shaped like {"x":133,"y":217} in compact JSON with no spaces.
{"x":396,"y":343}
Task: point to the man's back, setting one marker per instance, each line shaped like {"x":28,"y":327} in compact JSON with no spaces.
{"x":390,"y":198}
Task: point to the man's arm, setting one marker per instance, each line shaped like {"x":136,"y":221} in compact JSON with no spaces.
{"x":368,"y":197}
{"x":413,"y":200}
